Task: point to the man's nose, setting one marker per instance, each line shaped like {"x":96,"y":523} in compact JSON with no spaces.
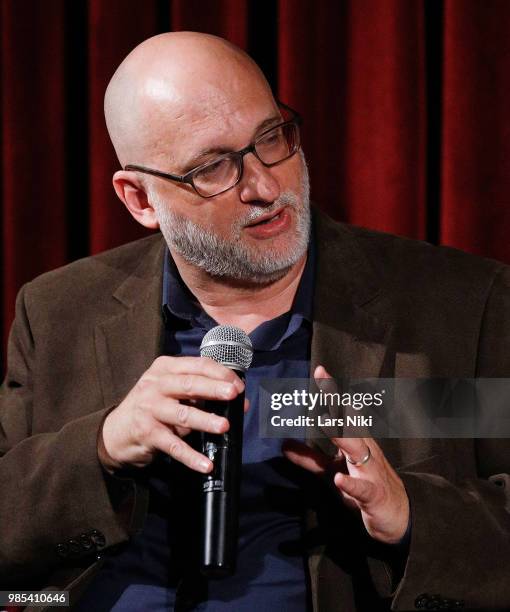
{"x":258,"y":183}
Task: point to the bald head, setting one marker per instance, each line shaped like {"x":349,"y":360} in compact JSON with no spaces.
{"x":171,"y":82}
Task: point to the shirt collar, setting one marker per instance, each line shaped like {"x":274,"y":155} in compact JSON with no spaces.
{"x":181,"y":308}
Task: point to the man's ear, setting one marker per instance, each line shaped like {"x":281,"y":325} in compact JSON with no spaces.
{"x":131,"y":191}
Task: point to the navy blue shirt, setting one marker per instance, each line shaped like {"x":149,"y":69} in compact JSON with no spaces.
{"x":271,"y":571}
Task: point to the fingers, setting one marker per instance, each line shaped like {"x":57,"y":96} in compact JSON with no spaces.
{"x":170,"y":412}
{"x":321,"y":372}
{"x":188,"y":386}
{"x":372,"y":487}
{"x":355,"y":448}
{"x":306,"y":457}
{"x":164,"y":440}
{"x":167,"y":399}
{"x":360,"y":489}
{"x":204,"y":366}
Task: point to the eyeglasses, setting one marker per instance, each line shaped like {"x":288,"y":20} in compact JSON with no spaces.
{"x":271,"y":147}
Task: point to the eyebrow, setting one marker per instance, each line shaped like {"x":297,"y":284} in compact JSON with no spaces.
{"x":199,"y":158}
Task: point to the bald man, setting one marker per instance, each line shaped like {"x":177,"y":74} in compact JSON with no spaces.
{"x":102,"y":401}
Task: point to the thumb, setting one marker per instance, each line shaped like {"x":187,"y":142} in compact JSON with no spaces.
{"x":321,"y":372}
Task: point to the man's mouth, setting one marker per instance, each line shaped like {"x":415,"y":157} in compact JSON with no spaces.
{"x":271,"y":224}
{"x":267,"y":218}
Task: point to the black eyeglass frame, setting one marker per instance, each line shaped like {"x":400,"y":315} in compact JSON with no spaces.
{"x":295,"y":119}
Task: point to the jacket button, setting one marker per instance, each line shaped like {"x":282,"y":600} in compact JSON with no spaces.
{"x":421,"y":601}
{"x":62,"y":550}
{"x":86,"y":542}
{"x":98,"y":538}
{"x":74,"y":547}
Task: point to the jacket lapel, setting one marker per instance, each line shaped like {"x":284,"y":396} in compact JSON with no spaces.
{"x":351,"y":334}
{"x":351,"y":316}
{"x":127,"y":343}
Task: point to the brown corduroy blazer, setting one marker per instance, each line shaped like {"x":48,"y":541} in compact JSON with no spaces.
{"x":383,"y":306}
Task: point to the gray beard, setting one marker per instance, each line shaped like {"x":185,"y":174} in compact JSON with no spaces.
{"x":229,"y":257}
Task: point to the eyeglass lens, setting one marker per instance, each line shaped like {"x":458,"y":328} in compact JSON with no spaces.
{"x":272,"y":147}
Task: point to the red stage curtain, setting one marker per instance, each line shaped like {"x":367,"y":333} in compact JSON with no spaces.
{"x":113,"y":29}
{"x":475,"y":158}
{"x":358,"y":76}
{"x":405,"y":106}
{"x":33,"y":87}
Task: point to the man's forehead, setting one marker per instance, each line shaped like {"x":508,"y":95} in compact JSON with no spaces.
{"x":209,"y":124}
{"x":190,"y":102}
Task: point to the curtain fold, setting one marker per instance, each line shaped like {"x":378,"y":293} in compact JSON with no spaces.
{"x":406,"y":127}
{"x":33,"y":217}
{"x":476,"y":128}
{"x":114,"y":28}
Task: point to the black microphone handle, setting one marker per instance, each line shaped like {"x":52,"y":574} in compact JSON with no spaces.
{"x":221,"y":489}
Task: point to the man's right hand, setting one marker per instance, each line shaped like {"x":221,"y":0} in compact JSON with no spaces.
{"x":161,"y":408}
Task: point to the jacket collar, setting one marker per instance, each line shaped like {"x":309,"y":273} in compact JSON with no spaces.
{"x":127,"y":343}
{"x":351,"y":320}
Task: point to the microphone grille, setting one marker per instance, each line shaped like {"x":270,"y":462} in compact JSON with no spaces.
{"x":229,"y":346}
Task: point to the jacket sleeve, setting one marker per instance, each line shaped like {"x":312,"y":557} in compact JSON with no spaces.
{"x":460,"y":541}
{"x":56,"y":507}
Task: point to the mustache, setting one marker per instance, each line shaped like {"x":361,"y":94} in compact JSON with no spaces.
{"x":285,"y":199}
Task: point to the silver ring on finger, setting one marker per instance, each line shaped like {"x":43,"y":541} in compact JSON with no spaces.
{"x":361,"y":461}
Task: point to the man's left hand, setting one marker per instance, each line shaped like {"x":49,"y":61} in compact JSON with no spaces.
{"x":374,"y":488}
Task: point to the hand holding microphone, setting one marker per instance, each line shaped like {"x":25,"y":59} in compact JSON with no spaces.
{"x":161,"y":409}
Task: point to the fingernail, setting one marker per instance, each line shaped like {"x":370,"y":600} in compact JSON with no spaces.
{"x":204,"y":466}
{"x":238,"y":383}
{"x":219,"y":425}
{"x":226,"y":390}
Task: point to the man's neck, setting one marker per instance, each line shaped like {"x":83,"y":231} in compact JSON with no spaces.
{"x":243,"y":305}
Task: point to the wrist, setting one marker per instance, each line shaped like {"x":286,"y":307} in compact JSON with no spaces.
{"x":108,"y":463}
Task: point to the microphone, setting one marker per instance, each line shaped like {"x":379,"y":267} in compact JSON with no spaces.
{"x":231,"y":347}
